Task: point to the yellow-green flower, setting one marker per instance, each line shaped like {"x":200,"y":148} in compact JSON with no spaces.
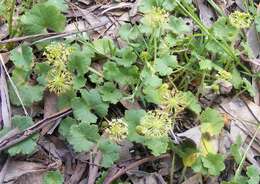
{"x":59,"y":82}
{"x":225,"y":75}
{"x":57,"y":55}
{"x":172,"y":99}
{"x":155,"y":124}
{"x":157,"y":17}
{"x":240,"y":19}
{"x":117,"y":130}
{"x":144,"y":56}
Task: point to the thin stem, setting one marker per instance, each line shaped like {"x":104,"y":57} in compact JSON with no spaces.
{"x":183,"y":174}
{"x":96,"y":72}
{"x":238,"y":171}
{"x":10,"y":21}
{"x":203,"y":28}
{"x":216,"y":7}
{"x":172,"y":168}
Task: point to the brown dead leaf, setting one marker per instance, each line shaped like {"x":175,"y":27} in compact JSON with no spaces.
{"x":195,"y":179}
{"x":17,"y":169}
{"x":147,"y":178}
{"x":206,"y":14}
{"x":244,"y":124}
{"x":50,"y":108}
{"x":5,"y":103}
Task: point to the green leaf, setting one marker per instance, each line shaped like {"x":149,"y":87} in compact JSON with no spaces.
{"x":79,"y":61}
{"x":111,"y":71}
{"x":215,"y":48}
{"x":20,"y":76}
{"x":132,"y":118}
{"x":129,"y":32}
{"x":29,"y":94}
{"x":165,"y":64}
{"x":82,"y":111}
{"x":22,"y":57}
{"x":104,"y":47}
{"x":83,"y":136}
{"x":53,"y":177}
{"x":64,"y":128}
{"x":254,"y":175}
{"x":257,"y":23}
{"x":96,"y":79}
{"x":157,"y":146}
{"x":223,"y":30}
{"x":121,"y":75}
{"x":128,"y":76}
{"x":236,"y":151}
{"x":152,"y":80}
{"x":94,"y":102}
{"x":42,"y":69}
{"x":38,"y":19}
{"x":126,"y":57}
{"x":211,"y":121}
{"x":214,"y":163}
{"x":146,"y":6}
{"x":27,"y":146}
{"x":178,"y":25}
{"x":192,"y":101}
{"x":248,"y":87}
{"x":110,"y":152}
{"x":110,"y":93}
{"x":206,"y":64}
{"x":64,"y":100}
{"x":78,"y":82}
{"x":187,"y":151}
{"x":198,"y":166}
{"x":236,"y":80}
{"x":22,"y":122}
{"x":152,"y":94}
{"x":59,"y":4}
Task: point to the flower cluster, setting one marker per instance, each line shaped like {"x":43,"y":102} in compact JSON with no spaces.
{"x":144,"y":56}
{"x":117,"y":130}
{"x":157,"y":17}
{"x":240,"y":19}
{"x":59,"y":82}
{"x":173,"y":99}
{"x":59,"y":78}
{"x":155,"y":124}
{"x":57,"y":55}
{"x":224,"y":75}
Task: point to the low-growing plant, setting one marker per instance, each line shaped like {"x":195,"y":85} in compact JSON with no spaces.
{"x":164,"y":63}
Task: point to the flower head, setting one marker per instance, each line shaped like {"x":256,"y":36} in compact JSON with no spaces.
{"x":240,"y":19}
{"x":59,"y":82}
{"x":117,"y":130}
{"x":173,"y":99}
{"x":224,"y":75}
{"x":144,"y":56}
{"x":157,"y":17}
{"x":57,"y":55}
{"x":155,"y":124}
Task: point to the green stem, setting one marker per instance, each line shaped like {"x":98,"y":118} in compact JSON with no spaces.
{"x":239,"y":169}
{"x":96,"y":72}
{"x":204,"y":29}
{"x":201,"y":87}
{"x":172,"y":168}
{"x":216,"y":7}
{"x":183,"y":174}
{"x":10,"y":21}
